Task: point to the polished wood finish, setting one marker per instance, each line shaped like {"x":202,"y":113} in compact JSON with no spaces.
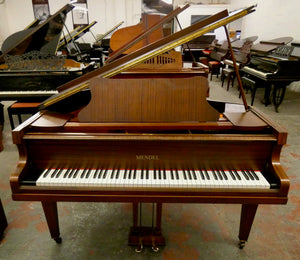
{"x":199,"y":148}
{"x":124,"y":36}
{"x":90,"y":139}
{"x":149,"y":100}
{"x":134,"y":37}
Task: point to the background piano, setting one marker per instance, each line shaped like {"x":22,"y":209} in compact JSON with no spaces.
{"x":274,"y":72}
{"x":30,"y":70}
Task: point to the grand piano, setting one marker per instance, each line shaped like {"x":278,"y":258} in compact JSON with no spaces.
{"x":149,"y":140}
{"x":274,"y":71}
{"x":30,"y":70}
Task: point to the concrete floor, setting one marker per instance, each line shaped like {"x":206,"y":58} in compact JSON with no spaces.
{"x":198,"y":231}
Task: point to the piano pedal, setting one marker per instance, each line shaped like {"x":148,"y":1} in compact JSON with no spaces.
{"x":145,"y":236}
{"x":242,"y":244}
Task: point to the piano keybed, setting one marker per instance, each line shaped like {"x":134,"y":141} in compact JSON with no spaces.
{"x":173,"y":179}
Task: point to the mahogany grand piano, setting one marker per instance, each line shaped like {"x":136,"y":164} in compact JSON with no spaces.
{"x":149,"y":140}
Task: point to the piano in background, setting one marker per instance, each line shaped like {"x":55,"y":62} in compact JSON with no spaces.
{"x":149,"y":140}
{"x":242,"y":50}
{"x":30,"y":70}
{"x":193,"y":50}
{"x":273,"y":71}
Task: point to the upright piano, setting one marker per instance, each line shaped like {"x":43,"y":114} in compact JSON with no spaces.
{"x":149,"y":140}
{"x":273,"y":71}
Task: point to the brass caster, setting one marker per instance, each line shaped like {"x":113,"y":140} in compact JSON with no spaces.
{"x":242,"y":244}
{"x":155,"y":249}
{"x":139,"y":249}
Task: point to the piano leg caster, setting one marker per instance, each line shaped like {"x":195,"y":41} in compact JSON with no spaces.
{"x":140,"y":247}
{"x":58,"y":240}
{"x":242,"y":244}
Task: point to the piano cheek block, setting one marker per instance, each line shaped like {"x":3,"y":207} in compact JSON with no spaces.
{"x":72,"y":103}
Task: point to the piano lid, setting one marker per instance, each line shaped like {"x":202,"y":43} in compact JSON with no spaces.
{"x":152,"y":50}
{"x":267,"y":46}
{"x":43,"y":37}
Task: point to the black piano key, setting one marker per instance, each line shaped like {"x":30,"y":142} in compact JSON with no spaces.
{"x":103,"y":174}
{"x":245,"y":175}
{"x":172,"y":174}
{"x":75,"y":173}
{"x":224,"y":175}
{"x":147,"y":174}
{"x":250,"y":175}
{"x":189,"y":174}
{"x":215,"y":175}
{"x":88,"y":173}
{"x":134,"y":174}
{"x":154,"y":174}
{"x":83,"y":174}
{"x":71,"y":173}
{"x":206,"y":174}
{"x":67,"y":173}
{"x":46,"y":173}
{"x":232,"y":175}
{"x":112,"y":173}
{"x":142,"y":174}
{"x":164,"y":175}
{"x":237,"y":175}
{"x":219,"y":175}
{"x":177,"y":175}
{"x":54,"y":173}
{"x":194,"y":175}
{"x":125,"y":174}
{"x":184,"y":175}
{"x":96,"y":173}
{"x":129,"y":174}
{"x":59,"y":173}
{"x":255,"y":175}
{"x":202,"y":175}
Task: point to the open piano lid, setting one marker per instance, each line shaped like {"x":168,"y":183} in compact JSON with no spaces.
{"x":77,"y":86}
{"x":43,"y":37}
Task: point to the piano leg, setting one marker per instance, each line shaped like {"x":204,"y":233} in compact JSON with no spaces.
{"x":1,"y":114}
{"x":278,"y":94}
{"x":50,"y":211}
{"x":247,"y":217}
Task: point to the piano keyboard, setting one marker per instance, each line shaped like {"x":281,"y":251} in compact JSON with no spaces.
{"x":256,"y":72}
{"x":140,"y":178}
